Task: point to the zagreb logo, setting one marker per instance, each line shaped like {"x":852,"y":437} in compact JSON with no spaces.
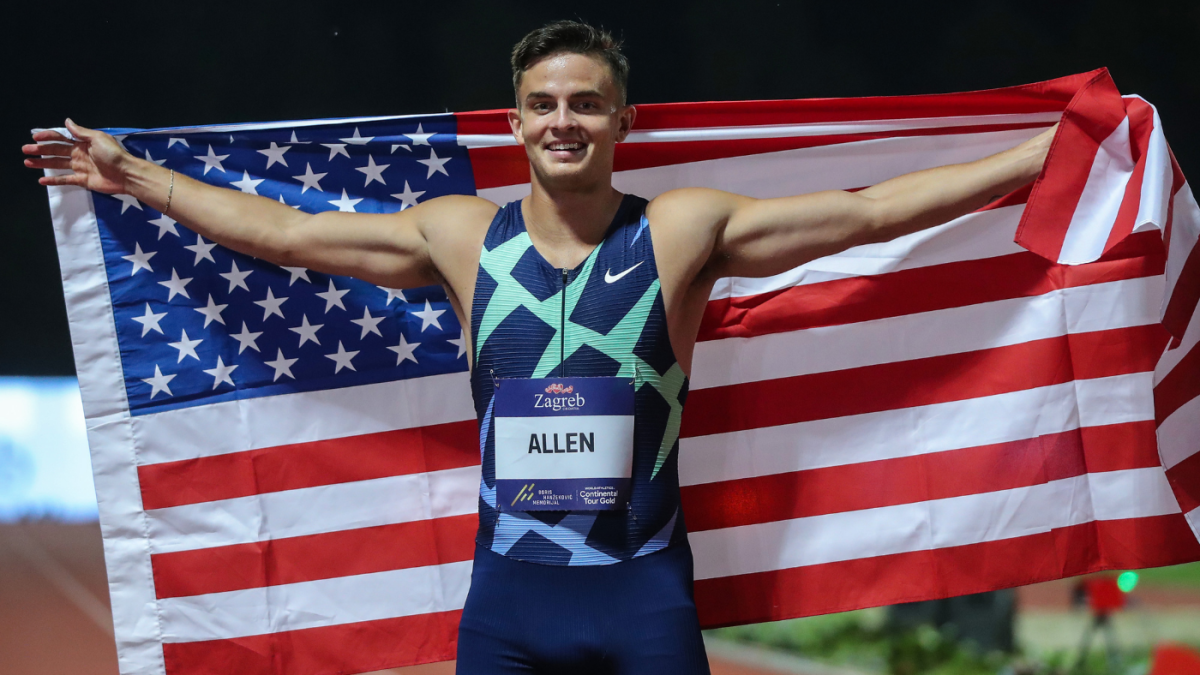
{"x":559,"y":397}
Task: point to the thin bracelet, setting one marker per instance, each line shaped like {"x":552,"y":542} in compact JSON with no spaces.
{"x":170,"y":192}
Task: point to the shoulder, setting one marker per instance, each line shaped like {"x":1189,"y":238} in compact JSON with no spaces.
{"x":692,"y":208}
{"x":455,"y":211}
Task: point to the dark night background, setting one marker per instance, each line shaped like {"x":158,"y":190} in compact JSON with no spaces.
{"x":151,"y":64}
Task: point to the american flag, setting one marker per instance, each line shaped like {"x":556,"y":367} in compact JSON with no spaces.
{"x":287,"y":462}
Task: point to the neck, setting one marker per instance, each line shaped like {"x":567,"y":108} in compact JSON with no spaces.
{"x":568,"y":224}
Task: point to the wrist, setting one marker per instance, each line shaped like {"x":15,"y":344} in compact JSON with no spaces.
{"x":143,"y":180}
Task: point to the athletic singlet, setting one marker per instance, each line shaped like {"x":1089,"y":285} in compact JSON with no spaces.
{"x":605,"y":318}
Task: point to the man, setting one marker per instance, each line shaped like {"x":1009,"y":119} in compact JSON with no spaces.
{"x":581,"y":339}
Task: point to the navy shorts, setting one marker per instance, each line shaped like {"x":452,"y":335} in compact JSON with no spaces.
{"x":630,"y":617}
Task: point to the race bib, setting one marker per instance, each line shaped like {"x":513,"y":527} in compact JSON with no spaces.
{"x":563,"y":444}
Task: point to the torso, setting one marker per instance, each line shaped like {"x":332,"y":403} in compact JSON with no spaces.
{"x":614,"y":325}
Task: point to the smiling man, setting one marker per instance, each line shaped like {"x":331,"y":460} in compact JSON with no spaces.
{"x":583,"y":305}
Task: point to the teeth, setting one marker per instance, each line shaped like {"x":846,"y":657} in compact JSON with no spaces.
{"x":566,"y":146}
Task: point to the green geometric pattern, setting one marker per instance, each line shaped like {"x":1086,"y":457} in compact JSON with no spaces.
{"x":617,"y":345}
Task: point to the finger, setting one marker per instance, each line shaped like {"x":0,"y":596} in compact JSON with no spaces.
{"x":48,"y":149}
{"x":65,"y":179}
{"x":48,"y":162}
{"x":78,"y":131}
{"x":51,"y":135}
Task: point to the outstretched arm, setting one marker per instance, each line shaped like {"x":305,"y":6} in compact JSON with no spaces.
{"x":762,"y":237}
{"x":391,"y":250}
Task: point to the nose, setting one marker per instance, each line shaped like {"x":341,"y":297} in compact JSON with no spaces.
{"x":564,"y":118}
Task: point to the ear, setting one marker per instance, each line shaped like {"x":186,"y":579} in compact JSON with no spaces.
{"x":625,"y":125}
{"x":514,"y":121}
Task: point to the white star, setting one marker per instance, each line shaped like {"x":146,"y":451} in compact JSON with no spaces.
{"x":298,"y":142}
{"x":246,"y":339}
{"x":236,"y":277}
{"x":203,"y":250}
{"x":221,"y":373}
{"x":336,"y":149}
{"x":159,"y":162}
{"x":307,"y":331}
{"x":158,"y":382}
{"x":369,"y":324}
{"x":271,"y":304}
{"x":141,"y":261}
{"x":231,"y":139}
{"x":345,"y":204}
{"x":164,"y":224}
{"x":310,"y":179}
{"x":176,"y":286}
{"x":400,"y":145}
{"x":436,"y":164}
{"x":461,"y":343}
{"x":281,"y":365}
{"x":420,"y":137}
{"x":186,"y":347}
{"x":212,"y":160}
{"x":297,"y":273}
{"x":275,"y":153}
{"x":332,"y":297}
{"x":128,"y":201}
{"x":211,"y":312}
{"x":373,"y":171}
{"x":342,"y":358}
{"x":429,"y":317}
{"x":393,"y":293}
{"x":246,"y":184}
{"x":355,"y":139}
{"x":405,"y":350}
{"x":172,"y":141}
{"x":149,"y":321}
{"x":297,"y":206}
{"x":409,"y":196}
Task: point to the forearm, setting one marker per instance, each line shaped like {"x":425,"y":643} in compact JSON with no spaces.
{"x":246,"y":223}
{"x":923,"y":199}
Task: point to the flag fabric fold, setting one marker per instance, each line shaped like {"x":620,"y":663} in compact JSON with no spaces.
{"x":287,"y":462}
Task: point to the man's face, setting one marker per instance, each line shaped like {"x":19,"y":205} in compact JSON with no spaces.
{"x":570,"y":120}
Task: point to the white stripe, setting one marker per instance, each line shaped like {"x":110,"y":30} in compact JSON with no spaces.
{"x":311,"y":604}
{"x":1172,"y":357}
{"x":315,"y":510}
{"x":1179,"y":434}
{"x":1094,"y":215}
{"x":1156,"y":180}
{"x":1193,"y":520}
{"x":1080,"y":309}
{"x":1185,"y":231}
{"x":930,"y":525}
{"x":914,"y":431}
{"x":792,"y":130}
{"x":268,"y":421}
{"x":290,"y":124}
{"x":975,"y":236}
{"x":804,"y":170}
{"x":94,"y":341}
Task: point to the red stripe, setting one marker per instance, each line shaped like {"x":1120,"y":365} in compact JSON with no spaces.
{"x":319,"y":556}
{"x":1093,"y":114}
{"x":1185,"y":297}
{"x":1141,"y":124}
{"x":1185,"y":482}
{"x":924,"y":289}
{"x":1048,"y":96}
{"x":327,"y":650}
{"x":907,"y":480}
{"x":508,"y":165}
{"x":1178,"y":387}
{"x":303,"y":465}
{"x":941,"y":573}
{"x":938,"y":379}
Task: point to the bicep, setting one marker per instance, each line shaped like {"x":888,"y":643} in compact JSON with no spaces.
{"x":385,"y":249}
{"x":764,"y":237}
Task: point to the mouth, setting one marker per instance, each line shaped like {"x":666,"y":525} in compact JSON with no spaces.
{"x":566,"y":150}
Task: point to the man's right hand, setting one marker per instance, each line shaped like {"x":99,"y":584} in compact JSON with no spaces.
{"x":95,"y":159}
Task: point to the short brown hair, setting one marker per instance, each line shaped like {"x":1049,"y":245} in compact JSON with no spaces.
{"x":574,"y":37}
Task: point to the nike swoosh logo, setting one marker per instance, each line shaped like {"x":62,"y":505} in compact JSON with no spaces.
{"x":609,"y":278}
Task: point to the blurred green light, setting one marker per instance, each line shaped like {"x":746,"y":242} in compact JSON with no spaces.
{"x":1127,"y":581}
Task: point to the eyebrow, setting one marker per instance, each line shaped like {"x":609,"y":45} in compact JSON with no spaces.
{"x":579,"y":94}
